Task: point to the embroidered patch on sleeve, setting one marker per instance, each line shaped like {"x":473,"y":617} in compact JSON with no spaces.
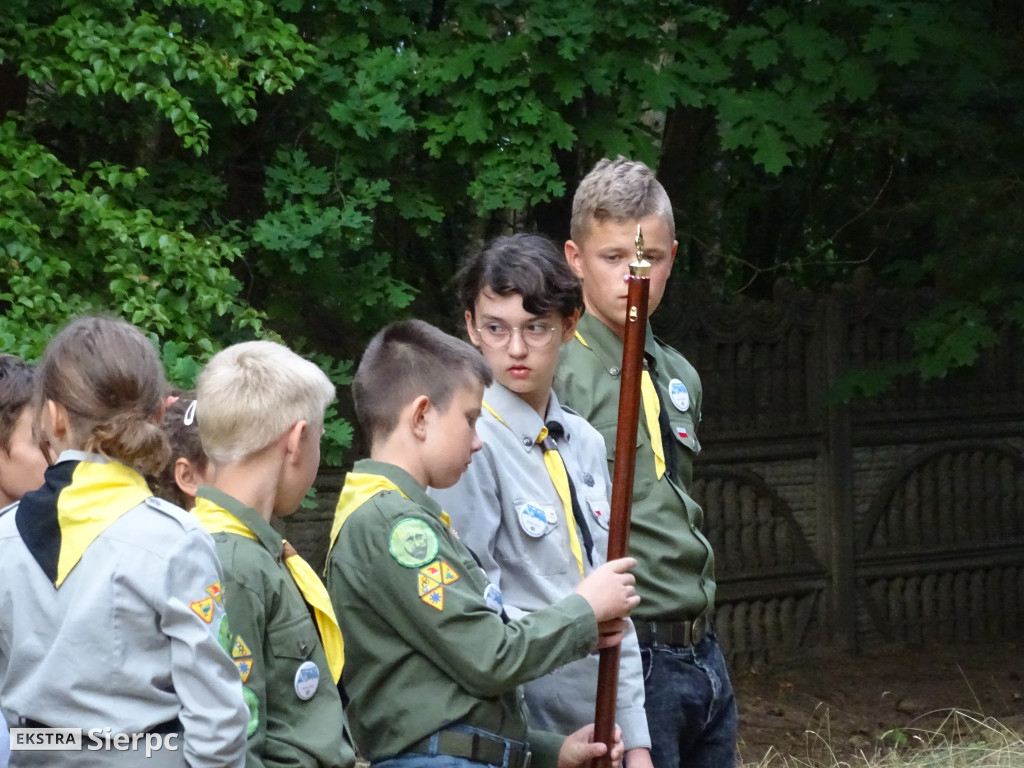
{"x":431,"y":581}
{"x":244,"y":668}
{"x":448,"y":574}
{"x":254,"y":711}
{"x":203,"y":609}
{"x":240,"y":649}
{"x":426,"y":584}
{"x":435,"y":598}
{"x":412,"y":543}
{"x":214,"y":591}
{"x":224,"y":634}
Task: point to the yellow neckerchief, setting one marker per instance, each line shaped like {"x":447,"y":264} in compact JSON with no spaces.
{"x":359,"y":488}
{"x":560,"y":479}
{"x":652,"y":412}
{"x":216,"y":519}
{"x":98,"y":495}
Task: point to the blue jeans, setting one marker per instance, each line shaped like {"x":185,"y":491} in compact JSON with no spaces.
{"x":691,"y":709}
{"x":411,"y":760}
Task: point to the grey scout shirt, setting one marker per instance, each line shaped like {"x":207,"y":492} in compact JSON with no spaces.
{"x":121,"y":644}
{"x":299,"y":718}
{"x":494,"y":507}
{"x":675,"y":570}
{"x":424,"y":649}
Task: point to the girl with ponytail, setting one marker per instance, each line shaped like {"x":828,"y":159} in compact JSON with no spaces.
{"x":110,"y":603}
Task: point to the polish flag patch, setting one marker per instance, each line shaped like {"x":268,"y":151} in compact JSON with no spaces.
{"x":681,"y":431}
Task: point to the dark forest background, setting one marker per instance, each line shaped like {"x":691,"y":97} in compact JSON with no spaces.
{"x":307,"y":171}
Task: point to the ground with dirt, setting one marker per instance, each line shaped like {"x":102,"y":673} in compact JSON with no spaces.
{"x":845,"y":705}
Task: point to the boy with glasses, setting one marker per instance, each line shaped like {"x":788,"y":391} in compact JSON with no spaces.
{"x":533,"y":504}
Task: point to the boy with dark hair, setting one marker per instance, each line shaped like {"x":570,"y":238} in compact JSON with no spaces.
{"x":534,"y":502}
{"x":691,"y":709}
{"x":433,"y":663}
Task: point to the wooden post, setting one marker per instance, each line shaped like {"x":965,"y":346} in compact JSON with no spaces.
{"x":622,"y":483}
{"x":839,"y":485}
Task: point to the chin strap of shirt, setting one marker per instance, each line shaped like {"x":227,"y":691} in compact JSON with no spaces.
{"x":216,"y":519}
{"x":549,"y":436}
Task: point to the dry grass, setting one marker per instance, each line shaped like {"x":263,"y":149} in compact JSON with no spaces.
{"x":963,"y":740}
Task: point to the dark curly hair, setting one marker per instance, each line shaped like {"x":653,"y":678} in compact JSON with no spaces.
{"x":524,"y":264}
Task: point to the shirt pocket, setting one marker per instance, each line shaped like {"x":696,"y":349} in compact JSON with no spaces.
{"x":600,"y":511}
{"x":544,"y":537}
{"x":293,"y":641}
{"x":686,"y":435}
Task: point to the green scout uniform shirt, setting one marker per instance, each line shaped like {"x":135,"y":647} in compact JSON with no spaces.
{"x":423,"y":647}
{"x":675,"y":572}
{"x":274,"y":635}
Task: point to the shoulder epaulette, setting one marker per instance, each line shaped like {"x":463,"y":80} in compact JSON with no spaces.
{"x":164,"y":506}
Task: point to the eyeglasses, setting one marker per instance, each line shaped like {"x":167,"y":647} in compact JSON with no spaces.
{"x":536,"y":334}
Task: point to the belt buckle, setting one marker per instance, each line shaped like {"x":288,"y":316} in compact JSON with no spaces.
{"x":701,"y":627}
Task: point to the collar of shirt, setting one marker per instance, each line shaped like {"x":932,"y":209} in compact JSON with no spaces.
{"x":71,"y":455}
{"x":521,"y":418}
{"x":608,"y":347}
{"x":403,"y":480}
{"x":262,"y":530}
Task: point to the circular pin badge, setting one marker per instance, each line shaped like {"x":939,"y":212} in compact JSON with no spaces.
{"x":533,"y":520}
{"x":492,"y":596}
{"x":678,"y":394}
{"x":588,"y":480}
{"x":307,"y":678}
{"x":412,"y":543}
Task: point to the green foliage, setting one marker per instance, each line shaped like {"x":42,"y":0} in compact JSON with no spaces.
{"x":73,"y":246}
{"x":210,"y":168}
{"x":99,"y":81}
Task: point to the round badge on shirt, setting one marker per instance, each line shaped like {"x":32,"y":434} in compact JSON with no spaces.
{"x":412,"y":543}
{"x":678,"y":394}
{"x":532,"y":519}
{"x":307,"y":678}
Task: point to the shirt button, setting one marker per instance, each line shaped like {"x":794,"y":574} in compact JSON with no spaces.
{"x":613,"y":371}
{"x":527,"y":442}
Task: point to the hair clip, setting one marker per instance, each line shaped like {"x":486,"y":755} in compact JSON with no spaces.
{"x":190,"y":414}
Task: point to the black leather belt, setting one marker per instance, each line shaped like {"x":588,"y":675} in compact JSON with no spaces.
{"x":683,"y":633}
{"x":488,"y":749}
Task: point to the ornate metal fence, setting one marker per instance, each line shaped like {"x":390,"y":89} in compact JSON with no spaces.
{"x":895,"y":519}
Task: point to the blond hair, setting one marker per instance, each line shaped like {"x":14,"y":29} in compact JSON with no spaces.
{"x":107,"y":375}
{"x":250,"y":393}
{"x":618,"y":190}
